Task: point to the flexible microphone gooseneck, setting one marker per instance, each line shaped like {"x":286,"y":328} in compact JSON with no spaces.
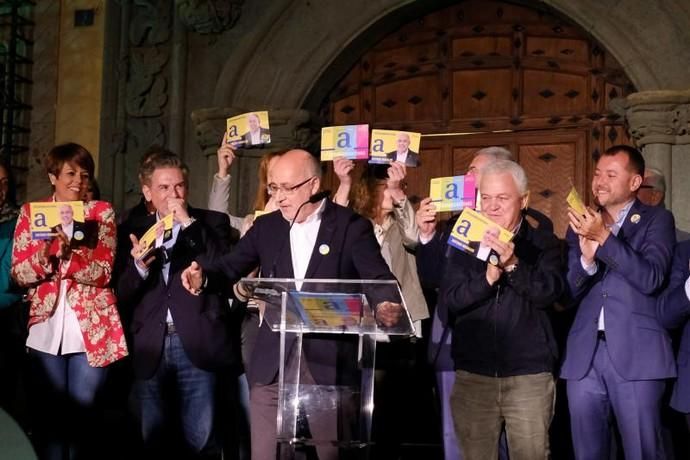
{"x":315,"y":198}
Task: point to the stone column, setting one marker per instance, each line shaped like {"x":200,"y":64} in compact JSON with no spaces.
{"x":290,"y":128}
{"x":659,"y":125}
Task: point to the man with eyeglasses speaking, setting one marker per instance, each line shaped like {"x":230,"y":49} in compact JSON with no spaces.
{"x":309,"y":237}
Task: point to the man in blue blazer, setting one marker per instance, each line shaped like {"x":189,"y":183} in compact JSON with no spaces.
{"x":326,"y":241}
{"x":618,"y":354}
{"x":674,"y":311}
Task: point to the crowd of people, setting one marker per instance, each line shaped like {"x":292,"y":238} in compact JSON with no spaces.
{"x":175,"y":329}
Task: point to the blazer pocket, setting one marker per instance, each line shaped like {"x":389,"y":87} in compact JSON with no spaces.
{"x":647,"y":322}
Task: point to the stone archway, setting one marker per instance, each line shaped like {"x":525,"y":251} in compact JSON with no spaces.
{"x":277,"y":64}
{"x":295,"y":52}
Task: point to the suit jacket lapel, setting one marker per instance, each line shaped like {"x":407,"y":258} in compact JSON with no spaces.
{"x":283,"y":250}
{"x":323,"y":239}
{"x":633,"y":221}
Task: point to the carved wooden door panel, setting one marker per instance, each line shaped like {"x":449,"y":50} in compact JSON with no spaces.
{"x":553,"y":162}
{"x":485,"y":72}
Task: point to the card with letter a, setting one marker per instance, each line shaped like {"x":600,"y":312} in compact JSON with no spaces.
{"x":248,"y":130}
{"x":453,"y":193}
{"x":389,"y":145}
{"x":468,"y":233}
{"x":575,"y":201}
{"x":351,"y":142}
{"x":48,"y":216}
{"x":162,"y":227}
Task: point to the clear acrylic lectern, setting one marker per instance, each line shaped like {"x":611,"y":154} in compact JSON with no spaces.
{"x":304,"y":311}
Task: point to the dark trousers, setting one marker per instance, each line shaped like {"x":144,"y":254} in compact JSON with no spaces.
{"x":636,"y":405}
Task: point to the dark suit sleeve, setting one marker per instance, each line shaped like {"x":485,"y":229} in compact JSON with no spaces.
{"x":673,"y":306}
{"x":366,"y":252}
{"x":219,"y":231}
{"x":368,"y":261}
{"x":129,"y":284}
{"x":432,"y":257}
{"x":578,"y":280}
{"x":462,"y":288}
{"x":647,"y":267}
{"x":541,"y":281}
{"x":229,"y":267}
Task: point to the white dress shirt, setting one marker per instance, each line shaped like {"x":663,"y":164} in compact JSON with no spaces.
{"x":60,"y":334}
{"x":402,"y":157}
{"x":255,"y":137}
{"x":302,"y":240}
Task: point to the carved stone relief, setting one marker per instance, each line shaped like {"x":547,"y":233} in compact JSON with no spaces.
{"x":146,"y":92}
{"x":209,"y":16}
{"x":150,"y":22}
{"x":657,"y":117}
{"x":146,"y":89}
{"x":294,"y":128}
{"x":290,"y":128}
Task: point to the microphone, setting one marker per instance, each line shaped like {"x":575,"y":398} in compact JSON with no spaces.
{"x":315,"y":198}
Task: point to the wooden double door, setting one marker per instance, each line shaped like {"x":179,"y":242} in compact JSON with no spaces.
{"x":486,"y":72}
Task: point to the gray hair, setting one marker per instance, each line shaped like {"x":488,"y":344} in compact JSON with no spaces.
{"x":656,"y":180}
{"x":497,"y":153}
{"x":510,"y":167}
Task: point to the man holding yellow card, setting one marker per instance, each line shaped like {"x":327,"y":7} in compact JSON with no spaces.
{"x":179,"y":340}
{"x":503,"y":349}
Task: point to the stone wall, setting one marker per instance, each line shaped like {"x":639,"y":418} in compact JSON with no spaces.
{"x":287,"y":54}
{"x":66,"y":91}
{"x":43,"y":95}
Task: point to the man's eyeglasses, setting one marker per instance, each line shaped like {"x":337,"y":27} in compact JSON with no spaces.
{"x":273,"y":189}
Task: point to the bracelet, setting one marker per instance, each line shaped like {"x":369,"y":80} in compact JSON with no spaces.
{"x":189,"y":222}
{"x":510,"y":268}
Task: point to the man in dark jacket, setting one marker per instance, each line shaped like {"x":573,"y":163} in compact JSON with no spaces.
{"x":178,"y":340}
{"x":503,"y":347}
{"x":306,"y":239}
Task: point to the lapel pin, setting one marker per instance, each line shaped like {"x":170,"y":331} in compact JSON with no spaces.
{"x":78,"y":235}
{"x":635,"y":218}
{"x":324,"y":249}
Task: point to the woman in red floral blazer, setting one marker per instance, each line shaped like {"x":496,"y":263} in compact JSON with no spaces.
{"x":74,"y":326}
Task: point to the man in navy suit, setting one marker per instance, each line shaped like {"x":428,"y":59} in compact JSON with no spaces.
{"x":326,"y":241}
{"x":618,"y":354}
{"x":178,"y":340}
{"x":674,"y":311}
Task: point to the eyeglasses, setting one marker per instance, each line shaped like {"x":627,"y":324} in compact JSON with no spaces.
{"x":273,"y":189}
